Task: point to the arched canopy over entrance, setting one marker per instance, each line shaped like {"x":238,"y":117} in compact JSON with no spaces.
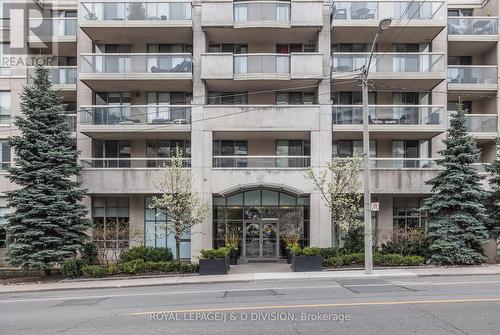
{"x":261,"y":216}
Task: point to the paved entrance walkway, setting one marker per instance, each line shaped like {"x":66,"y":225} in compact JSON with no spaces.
{"x":260,"y":267}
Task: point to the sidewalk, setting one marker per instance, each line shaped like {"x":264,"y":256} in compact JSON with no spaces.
{"x":266,"y":276}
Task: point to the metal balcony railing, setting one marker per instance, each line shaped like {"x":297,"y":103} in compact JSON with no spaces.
{"x":130,"y":163}
{"x":128,"y":63}
{"x":262,"y":63}
{"x":262,"y":12}
{"x":376,"y":10}
{"x":135,"y":115}
{"x":472,"y":74}
{"x":135,"y":11}
{"x":389,"y":115}
{"x":59,"y":75}
{"x":470,"y":25}
{"x":391,"y":62}
{"x":279,"y":162}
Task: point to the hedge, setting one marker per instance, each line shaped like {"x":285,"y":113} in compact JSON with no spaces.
{"x":378,"y":259}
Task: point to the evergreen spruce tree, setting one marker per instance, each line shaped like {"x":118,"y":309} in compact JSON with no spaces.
{"x":47,"y":225}
{"x":456,"y":214}
{"x":493,"y":203}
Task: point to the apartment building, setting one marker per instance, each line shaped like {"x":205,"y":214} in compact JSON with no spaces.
{"x":254,"y":93}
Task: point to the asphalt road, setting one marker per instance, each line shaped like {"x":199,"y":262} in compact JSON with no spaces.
{"x":423,"y":305}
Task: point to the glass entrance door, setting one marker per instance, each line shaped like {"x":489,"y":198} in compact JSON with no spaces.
{"x":261,"y":240}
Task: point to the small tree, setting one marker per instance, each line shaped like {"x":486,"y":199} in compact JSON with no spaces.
{"x":48,"y":223}
{"x":182,"y":207}
{"x":339,"y":186}
{"x":456,"y":214}
{"x":493,"y":203}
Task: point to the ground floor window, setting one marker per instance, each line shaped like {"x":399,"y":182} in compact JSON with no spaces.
{"x":156,"y":235}
{"x":4,"y":210}
{"x":261,"y":218}
{"x":407,"y":213}
{"x":111,"y":217}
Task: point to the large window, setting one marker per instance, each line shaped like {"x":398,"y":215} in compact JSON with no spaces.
{"x":166,"y":149}
{"x":5,"y":107}
{"x":111,"y":219}
{"x":156,"y":234}
{"x":347,"y":148}
{"x":4,"y":154}
{"x":295,"y":98}
{"x":407,"y":213}
{"x":4,"y":210}
{"x":114,"y":153}
{"x":227,"y":98}
{"x":412,"y":152}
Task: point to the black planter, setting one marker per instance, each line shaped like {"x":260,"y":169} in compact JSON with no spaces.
{"x":306,"y":263}
{"x":288,"y":254}
{"x":233,"y":257}
{"x":218,"y":266}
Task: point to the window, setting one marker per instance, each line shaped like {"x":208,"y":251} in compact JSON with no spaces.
{"x":113,"y":98}
{"x":115,"y":153}
{"x":412,"y":152}
{"x":227,"y":98}
{"x":5,"y":107}
{"x":156,"y":234}
{"x":295,"y":98}
{"x":293,"y":148}
{"x":230,"y":148}
{"x":4,"y":210}
{"x":229,"y":47}
{"x":347,"y":148}
{"x":353,"y":98}
{"x":166,"y":149}
{"x":407,"y":213}
{"x":4,"y":154}
{"x":466,"y":106}
{"x":170,"y":48}
{"x":111,"y":221}
{"x":356,"y":47}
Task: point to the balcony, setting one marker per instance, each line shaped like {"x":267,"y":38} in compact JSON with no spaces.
{"x":481,"y":126}
{"x":472,"y":27}
{"x":262,"y":14}
{"x":362,"y":17}
{"x":95,"y":120}
{"x":261,"y":162}
{"x":472,"y":77}
{"x":261,"y":66}
{"x":390,"y":118}
{"x":63,"y":77}
{"x":102,"y":70}
{"x":407,"y":67}
{"x":142,"y":20}
{"x":261,"y":117}
{"x":125,"y":175}
{"x":53,"y":29}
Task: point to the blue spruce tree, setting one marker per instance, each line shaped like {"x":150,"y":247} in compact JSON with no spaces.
{"x":48,"y":223}
{"x":493,"y":203}
{"x":457,"y":216}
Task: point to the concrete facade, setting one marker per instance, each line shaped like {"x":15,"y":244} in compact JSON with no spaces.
{"x":267,"y":73}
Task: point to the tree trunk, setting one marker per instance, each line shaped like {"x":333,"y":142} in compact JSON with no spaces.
{"x":178,"y":248}
{"x":337,"y":239}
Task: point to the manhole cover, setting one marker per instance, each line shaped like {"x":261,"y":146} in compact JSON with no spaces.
{"x":249,"y":293}
{"x":81,"y":302}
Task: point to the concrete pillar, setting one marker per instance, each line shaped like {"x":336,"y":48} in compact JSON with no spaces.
{"x":321,"y":140}
{"x":136,"y":209}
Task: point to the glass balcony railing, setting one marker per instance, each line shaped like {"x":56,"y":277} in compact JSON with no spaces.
{"x":244,"y":162}
{"x":135,"y":115}
{"x":130,"y":163}
{"x":136,"y":63}
{"x":262,"y":11}
{"x":403,"y":163}
{"x":389,"y":62}
{"x":481,"y":123}
{"x":470,"y":25}
{"x":53,"y":27}
{"x":262,"y":63}
{"x":71,"y":121}
{"x":376,"y":10}
{"x":135,"y":11}
{"x":389,"y":115}
{"x":59,"y":75}
{"x":472,"y":74}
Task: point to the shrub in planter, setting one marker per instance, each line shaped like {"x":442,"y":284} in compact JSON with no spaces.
{"x":94,"y":271}
{"x":214,"y":261}
{"x":289,"y":251}
{"x":306,"y":259}
{"x":72,"y":267}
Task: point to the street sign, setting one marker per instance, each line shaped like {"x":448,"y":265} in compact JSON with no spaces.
{"x":375,"y":206}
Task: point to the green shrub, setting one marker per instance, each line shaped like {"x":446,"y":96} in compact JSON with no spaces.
{"x":89,"y":253}
{"x":354,"y":240}
{"x":133,"y":267}
{"x":72,"y":268}
{"x":333,"y":262}
{"x":413,"y":260}
{"x":113,"y":269}
{"x":95,"y":271}
{"x":222,"y":252}
{"x":180,"y":267}
{"x":311,"y":251}
{"x":147,"y":254}
{"x":296,"y":250}
{"x":328,"y":252}
{"x":388,"y":259}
